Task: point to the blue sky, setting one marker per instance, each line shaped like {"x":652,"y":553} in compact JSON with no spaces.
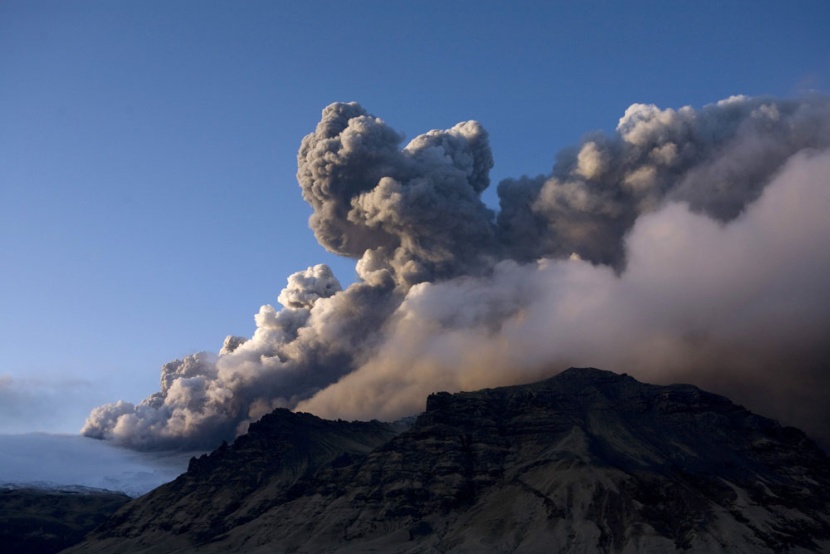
{"x":148,"y":201}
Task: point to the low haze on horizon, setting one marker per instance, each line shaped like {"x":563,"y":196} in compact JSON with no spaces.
{"x":148,"y":161}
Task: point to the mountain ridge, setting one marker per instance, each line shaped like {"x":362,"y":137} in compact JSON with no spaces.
{"x":585,"y":461}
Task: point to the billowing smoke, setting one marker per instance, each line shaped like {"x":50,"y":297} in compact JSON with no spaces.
{"x":716,"y":160}
{"x":689,"y":245}
{"x":410,"y":215}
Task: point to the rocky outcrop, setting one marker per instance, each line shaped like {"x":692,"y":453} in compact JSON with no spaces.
{"x":587,"y":461}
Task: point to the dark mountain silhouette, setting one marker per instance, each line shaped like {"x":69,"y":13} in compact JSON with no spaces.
{"x":40,"y":520}
{"x":587,"y":461}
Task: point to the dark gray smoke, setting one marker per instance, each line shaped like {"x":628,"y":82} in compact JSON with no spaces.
{"x":687,"y":245}
{"x":413,"y":214}
{"x":717,"y":160}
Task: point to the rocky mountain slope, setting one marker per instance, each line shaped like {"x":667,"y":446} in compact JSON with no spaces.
{"x":38,"y":520}
{"x":587,"y":461}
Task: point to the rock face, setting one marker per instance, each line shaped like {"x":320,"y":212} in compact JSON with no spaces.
{"x":587,"y":461}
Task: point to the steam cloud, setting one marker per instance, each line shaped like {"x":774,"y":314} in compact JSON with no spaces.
{"x":689,"y":245}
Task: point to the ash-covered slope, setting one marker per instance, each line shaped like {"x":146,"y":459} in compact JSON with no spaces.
{"x":587,"y":461}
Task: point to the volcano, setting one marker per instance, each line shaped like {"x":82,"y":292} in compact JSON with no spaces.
{"x":586,"y":461}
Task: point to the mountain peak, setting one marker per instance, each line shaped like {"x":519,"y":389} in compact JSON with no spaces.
{"x":587,"y":460}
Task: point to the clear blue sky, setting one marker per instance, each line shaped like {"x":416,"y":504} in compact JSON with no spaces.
{"x":148,"y":201}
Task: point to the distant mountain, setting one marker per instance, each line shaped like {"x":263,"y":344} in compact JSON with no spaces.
{"x":42,"y":519}
{"x":587,"y":461}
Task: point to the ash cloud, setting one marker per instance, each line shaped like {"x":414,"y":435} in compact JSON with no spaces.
{"x":688,"y":245}
{"x":741,"y":309}
{"x":410,"y":214}
{"x":717,"y":160}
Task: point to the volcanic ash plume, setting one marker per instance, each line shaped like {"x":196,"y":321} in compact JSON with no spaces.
{"x":689,"y":245}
